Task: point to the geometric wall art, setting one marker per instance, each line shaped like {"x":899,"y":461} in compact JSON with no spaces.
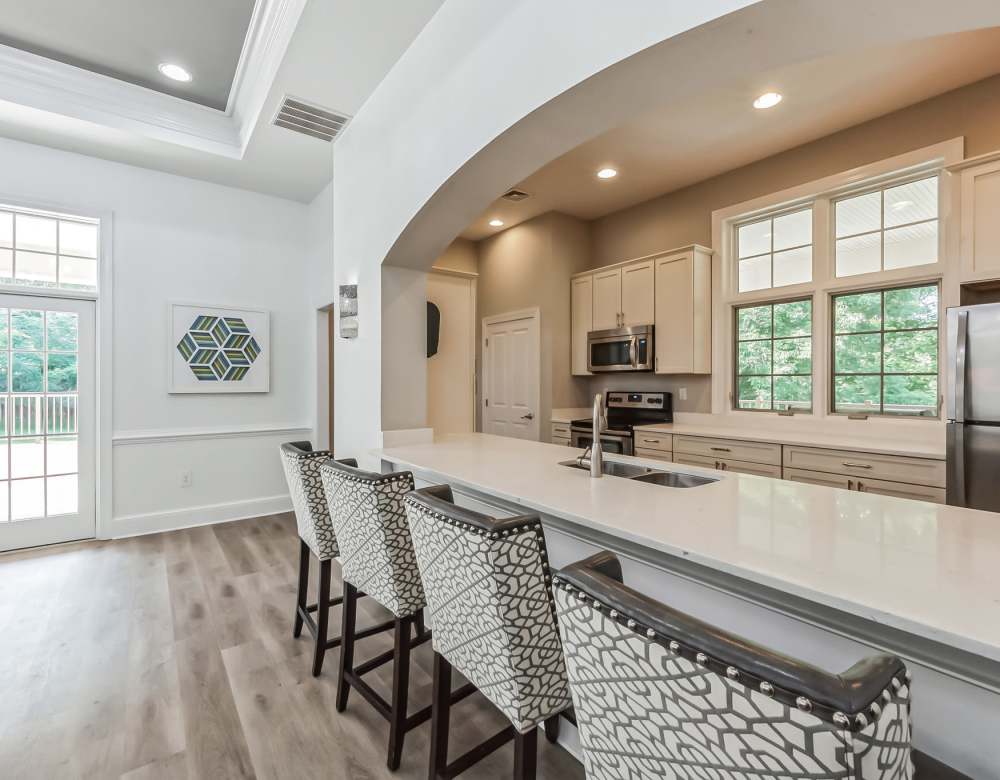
{"x":215,"y":349}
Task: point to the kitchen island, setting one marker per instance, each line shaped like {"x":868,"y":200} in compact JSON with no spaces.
{"x":823,"y":574}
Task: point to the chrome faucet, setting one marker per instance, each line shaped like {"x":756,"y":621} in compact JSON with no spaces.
{"x":598,"y":424}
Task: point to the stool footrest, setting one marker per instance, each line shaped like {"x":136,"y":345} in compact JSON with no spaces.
{"x":310,"y":623}
{"x":334,"y":602}
{"x":424,"y":715}
{"x":478,"y":753}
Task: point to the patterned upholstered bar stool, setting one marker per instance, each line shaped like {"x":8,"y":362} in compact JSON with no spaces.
{"x":489,"y":597}
{"x":316,"y":537}
{"x":376,"y":556}
{"x":658,"y":693}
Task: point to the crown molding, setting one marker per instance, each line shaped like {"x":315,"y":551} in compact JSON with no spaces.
{"x":57,"y":88}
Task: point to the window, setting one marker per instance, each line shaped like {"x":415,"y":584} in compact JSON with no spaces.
{"x":44,"y":250}
{"x":775,"y":252}
{"x":885,"y":352}
{"x":774,"y":356}
{"x":894,"y":227}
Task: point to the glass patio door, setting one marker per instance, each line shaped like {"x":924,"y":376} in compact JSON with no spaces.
{"x":47,"y":425}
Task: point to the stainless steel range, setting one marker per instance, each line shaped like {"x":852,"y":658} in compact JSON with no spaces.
{"x":625,"y":410}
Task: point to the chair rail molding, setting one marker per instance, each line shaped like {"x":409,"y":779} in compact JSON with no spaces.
{"x":37,"y":82}
{"x":163,"y":436}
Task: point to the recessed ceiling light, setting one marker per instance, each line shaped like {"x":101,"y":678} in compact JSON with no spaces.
{"x":175,"y":72}
{"x":767,"y":100}
{"x":607,"y":173}
{"x":496,"y":223}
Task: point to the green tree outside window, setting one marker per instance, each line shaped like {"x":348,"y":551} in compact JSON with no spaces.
{"x":774,"y":356}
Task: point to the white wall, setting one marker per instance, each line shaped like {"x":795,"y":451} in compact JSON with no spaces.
{"x":182,"y":239}
{"x":321,"y":296}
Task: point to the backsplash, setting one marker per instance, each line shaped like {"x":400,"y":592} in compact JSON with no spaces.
{"x":699,"y":387}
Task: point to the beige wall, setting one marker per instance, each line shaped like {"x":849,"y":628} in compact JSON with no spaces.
{"x":461,"y":255}
{"x":685,"y":216}
{"x":530,"y":265}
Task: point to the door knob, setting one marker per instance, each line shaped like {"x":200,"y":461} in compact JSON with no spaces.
{"x":528,"y":416}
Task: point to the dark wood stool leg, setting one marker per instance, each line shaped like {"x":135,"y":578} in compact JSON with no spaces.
{"x":525,"y":755}
{"x":300,"y":603}
{"x":419,"y":624}
{"x":552,"y":729}
{"x":440,"y":712}
{"x":322,"y":615}
{"x":346,"y":643}
{"x":400,"y":688}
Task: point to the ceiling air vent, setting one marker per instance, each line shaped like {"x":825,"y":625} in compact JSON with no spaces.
{"x":515,"y":195}
{"x":310,"y":119}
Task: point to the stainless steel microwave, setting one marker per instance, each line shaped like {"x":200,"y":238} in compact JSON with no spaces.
{"x":620,"y":349}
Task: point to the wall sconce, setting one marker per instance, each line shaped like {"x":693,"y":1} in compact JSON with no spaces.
{"x":348,"y":311}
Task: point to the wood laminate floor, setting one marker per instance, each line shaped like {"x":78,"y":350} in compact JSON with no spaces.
{"x":171,"y":656}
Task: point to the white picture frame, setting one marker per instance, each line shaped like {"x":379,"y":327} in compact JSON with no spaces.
{"x":217,"y":349}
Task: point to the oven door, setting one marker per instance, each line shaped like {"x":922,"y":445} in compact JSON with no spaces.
{"x":610,"y":442}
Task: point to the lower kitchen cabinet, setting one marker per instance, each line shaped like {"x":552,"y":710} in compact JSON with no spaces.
{"x":560,"y":433}
{"x":642,"y":452}
{"x":726,"y":464}
{"x":882,"y":487}
{"x":819,"y":478}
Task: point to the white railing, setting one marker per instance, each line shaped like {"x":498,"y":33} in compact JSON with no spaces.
{"x":22,"y":415}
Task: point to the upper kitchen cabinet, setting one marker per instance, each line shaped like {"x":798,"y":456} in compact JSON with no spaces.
{"x":979,"y":188}
{"x":582,"y":317}
{"x":683,"y":311}
{"x":607,"y":299}
{"x":623,"y":295}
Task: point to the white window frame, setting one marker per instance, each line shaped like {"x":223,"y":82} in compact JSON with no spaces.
{"x":821,"y":194}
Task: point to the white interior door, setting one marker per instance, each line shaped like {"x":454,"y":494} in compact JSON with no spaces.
{"x":451,"y":406}
{"x":47,"y":425}
{"x":511,"y":389}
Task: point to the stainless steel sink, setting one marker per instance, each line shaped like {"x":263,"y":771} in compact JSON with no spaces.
{"x":674,"y":479}
{"x":644,"y":474}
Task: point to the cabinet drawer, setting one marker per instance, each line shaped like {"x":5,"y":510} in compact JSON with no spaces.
{"x":819,"y":478}
{"x":654,"y":441}
{"x":730,"y":449}
{"x":652,"y":454}
{"x":894,"y":468}
{"x":560,"y":431}
{"x":727,"y":464}
{"x":560,"y":440}
{"x":902,"y":490}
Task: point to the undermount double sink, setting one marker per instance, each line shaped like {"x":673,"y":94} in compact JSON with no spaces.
{"x":637,"y":473}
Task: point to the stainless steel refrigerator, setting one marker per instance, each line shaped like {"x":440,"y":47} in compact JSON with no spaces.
{"x":973,"y":378}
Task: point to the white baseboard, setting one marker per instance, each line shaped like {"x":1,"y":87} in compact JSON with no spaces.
{"x":175,"y":519}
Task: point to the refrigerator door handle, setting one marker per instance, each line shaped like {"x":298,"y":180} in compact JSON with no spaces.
{"x":956,"y":464}
{"x":961,"y":348}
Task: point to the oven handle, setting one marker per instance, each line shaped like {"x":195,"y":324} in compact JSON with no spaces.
{"x":633,"y":351}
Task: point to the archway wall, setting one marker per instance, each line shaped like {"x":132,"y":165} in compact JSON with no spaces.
{"x":489,"y":92}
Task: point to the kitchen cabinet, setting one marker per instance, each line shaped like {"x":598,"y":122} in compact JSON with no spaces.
{"x":881,"y":487}
{"x":727,"y":464}
{"x":979,"y":236}
{"x":560,"y":433}
{"x":637,"y":294}
{"x":653,"y":454}
{"x":729,"y":449}
{"x":581,"y":322}
{"x":683,"y":312}
{"x":607,"y":299}
{"x":867,"y":466}
{"x":653,"y":441}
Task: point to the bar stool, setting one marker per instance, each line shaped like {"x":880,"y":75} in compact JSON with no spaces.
{"x":316,"y":537}
{"x":658,"y":693}
{"x":376,"y":556}
{"x":488,"y":592}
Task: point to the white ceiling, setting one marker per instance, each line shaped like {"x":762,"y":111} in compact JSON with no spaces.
{"x":339,"y":52}
{"x":717,"y":132}
{"x":127,"y":39}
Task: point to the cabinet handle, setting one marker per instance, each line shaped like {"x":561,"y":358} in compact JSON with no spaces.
{"x":717,"y":465}
{"x":861,"y":486}
{"x":726,"y":449}
{"x":856,"y":465}
{"x":724,"y":466}
{"x":651,"y":441}
{"x":850,"y":484}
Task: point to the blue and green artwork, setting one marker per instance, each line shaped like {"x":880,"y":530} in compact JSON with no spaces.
{"x":218,"y":349}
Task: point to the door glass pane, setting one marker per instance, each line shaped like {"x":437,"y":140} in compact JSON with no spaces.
{"x":77,"y":238}
{"x":36,"y":233}
{"x":39,"y":401}
{"x":36,"y":268}
{"x":27,"y":499}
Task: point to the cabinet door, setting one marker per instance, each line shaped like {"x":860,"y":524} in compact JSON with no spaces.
{"x":743,"y":467}
{"x":582,"y":321}
{"x":902,"y":490}
{"x":697,"y":460}
{"x":980,"y":236}
{"x":819,"y":478}
{"x":607,"y":299}
{"x":637,"y":293}
{"x":652,"y":454}
{"x":674,"y":318}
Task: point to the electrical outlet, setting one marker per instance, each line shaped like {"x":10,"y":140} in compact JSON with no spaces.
{"x":185,"y":479}
{"x":682,"y":393}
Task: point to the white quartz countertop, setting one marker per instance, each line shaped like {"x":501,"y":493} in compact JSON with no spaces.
{"x":856,"y":442}
{"x":924,"y":568}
